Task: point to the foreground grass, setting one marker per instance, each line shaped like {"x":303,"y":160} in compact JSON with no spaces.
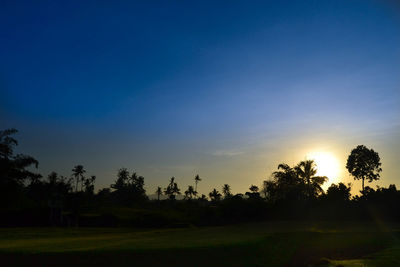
{"x":261,"y":244}
{"x":386,"y":257}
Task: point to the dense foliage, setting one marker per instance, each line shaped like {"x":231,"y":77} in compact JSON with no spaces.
{"x":293,"y":192}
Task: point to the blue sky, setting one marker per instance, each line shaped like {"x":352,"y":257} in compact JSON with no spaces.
{"x":224,"y":89}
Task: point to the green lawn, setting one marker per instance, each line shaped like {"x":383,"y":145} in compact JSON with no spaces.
{"x":258,"y":244}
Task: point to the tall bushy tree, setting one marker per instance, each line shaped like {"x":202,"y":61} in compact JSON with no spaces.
{"x":268,"y":188}
{"x":13,"y":170}
{"x":364,"y":163}
{"x":136,"y":183}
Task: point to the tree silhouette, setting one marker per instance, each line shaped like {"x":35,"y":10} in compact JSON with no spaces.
{"x":78,"y":172}
{"x":267,"y":187}
{"x":89,"y":184}
{"x":203,"y":198}
{"x":129,"y":188}
{"x":13,"y":167}
{"x":172,"y":189}
{"x":197,"y":179}
{"x":285,"y":184}
{"x":13,"y":171}
{"x":338,"y":193}
{"x":253,"y":192}
{"x":28,"y":199}
{"x":285,"y":175}
{"x":306,"y":170}
{"x":226,"y":191}
{"x":122,"y":179}
{"x":215,"y":195}
{"x":364,"y":163}
{"x":190,"y":192}
{"x":136,"y":186}
{"x":253,"y":189}
{"x":159,"y":192}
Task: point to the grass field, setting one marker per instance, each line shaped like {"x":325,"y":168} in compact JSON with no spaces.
{"x":258,"y":244}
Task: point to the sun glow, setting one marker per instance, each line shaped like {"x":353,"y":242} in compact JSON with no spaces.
{"x":327,"y":165}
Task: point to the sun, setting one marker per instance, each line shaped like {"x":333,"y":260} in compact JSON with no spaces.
{"x":327,"y":165}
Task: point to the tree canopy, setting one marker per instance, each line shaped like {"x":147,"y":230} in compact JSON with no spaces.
{"x":364,"y":163}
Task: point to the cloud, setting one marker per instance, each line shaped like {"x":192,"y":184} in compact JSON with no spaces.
{"x":227,"y":153}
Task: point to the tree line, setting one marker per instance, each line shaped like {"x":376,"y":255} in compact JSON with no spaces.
{"x":293,"y":192}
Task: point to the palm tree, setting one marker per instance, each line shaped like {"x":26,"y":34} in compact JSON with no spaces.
{"x":286,"y":183}
{"x":159,"y":192}
{"x":78,"y":172}
{"x":215,"y":195}
{"x":172,"y":189}
{"x":226,"y":190}
{"x":197,"y":179}
{"x":285,"y":175}
{"x":190,"y":192}
{"x":306,"y":170}
{"x":203,"y":197}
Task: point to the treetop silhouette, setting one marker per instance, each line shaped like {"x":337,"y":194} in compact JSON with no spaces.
{"x":364,"y":163}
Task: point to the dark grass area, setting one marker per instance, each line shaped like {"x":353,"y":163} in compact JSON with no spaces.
{"x":240,"y":245}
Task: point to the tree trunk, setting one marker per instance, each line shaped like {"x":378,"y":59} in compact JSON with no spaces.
{"x":363,"y":185}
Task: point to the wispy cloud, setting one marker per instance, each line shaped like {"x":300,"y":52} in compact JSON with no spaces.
{"x":227,"y":153}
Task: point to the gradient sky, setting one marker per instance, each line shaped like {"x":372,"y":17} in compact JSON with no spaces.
{"x":226,"y":89}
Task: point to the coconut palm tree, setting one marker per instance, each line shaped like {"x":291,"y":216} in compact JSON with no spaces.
{"x":172,"y":189}
{"x":285,"y":175}
{"x":197,"y":179}
{"x":215,"y":195}
{"x":306,"y":171}
{"x":78,"y":172}
{"x":226,"y":191}
{"x":189,"y":193}
{"x":287,"y":184}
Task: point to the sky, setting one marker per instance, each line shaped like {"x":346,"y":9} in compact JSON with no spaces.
{"x":223,"y":89}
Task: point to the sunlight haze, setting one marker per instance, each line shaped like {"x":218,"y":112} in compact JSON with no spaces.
{"x":226,"y":91}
